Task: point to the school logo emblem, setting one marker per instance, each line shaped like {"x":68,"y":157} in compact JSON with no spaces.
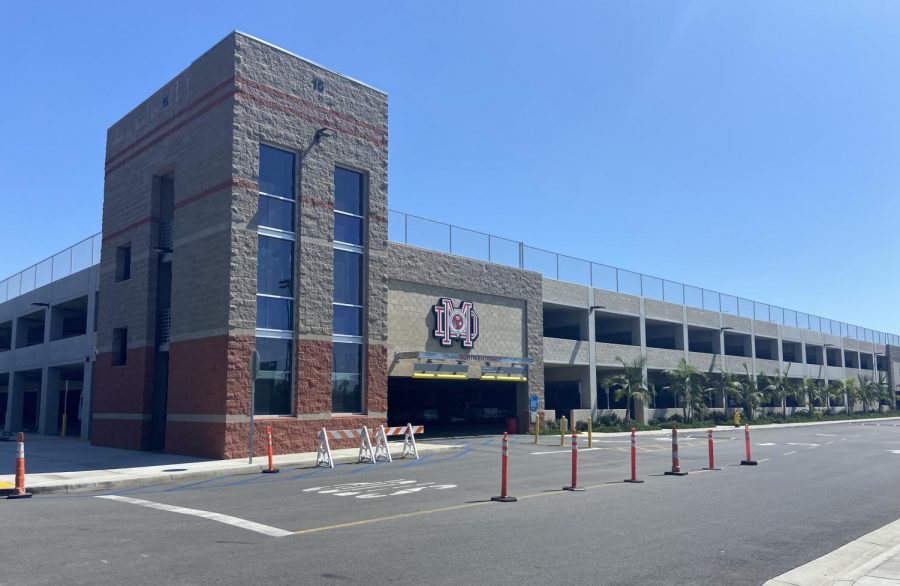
{"x":452,"y":323}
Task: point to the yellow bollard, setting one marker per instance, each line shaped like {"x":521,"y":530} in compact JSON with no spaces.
{"x":562,"y":430}
{"x":537,"y":428}
{"x":590,"y":433}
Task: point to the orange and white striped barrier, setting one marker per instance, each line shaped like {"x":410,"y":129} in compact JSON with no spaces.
{"x":712,"y":456}
{"x":749,"y":461}
{"x":379,"y":452}
{"x":574,"y":486}
{"x":633,"y":478}
{"x":504,"y":469}
{"x":271,"y":469}
{"x":19,"y":492}
{"x":676,"y":463}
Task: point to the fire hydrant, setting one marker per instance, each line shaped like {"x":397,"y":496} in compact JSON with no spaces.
{"x":737,"y":418}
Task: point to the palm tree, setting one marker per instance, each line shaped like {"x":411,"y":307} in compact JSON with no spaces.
{"x":686,"y":383}
{"x":885,"y":395}
{"x":868,"y":392}
{"x":780,"y":387}
{"x":815,"y":392}
{"x":747,"y":391}
{"x":852,"y":389}
{"x":631,"y":384}
{"x":836,"y":390}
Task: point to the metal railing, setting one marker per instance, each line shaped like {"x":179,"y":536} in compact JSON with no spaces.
{"x":62,"y":264}
{"x":442,"y":237}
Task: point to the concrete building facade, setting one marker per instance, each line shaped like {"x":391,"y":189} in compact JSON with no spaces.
{"x":250,"y":263}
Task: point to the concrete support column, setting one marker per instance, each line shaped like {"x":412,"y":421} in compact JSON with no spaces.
{"x":685,"y":334}
{"x":85,"y":406}
{"x":641,"y":409}
{"x":48,"y":418}
{"x":15,"y":401}
{"x":591,"y":403}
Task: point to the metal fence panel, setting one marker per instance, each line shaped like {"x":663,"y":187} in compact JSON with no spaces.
{"x":673,"y":292}
{"x":629,"y":282}
{"x":541,"y":261}
{"x":693,"y":296}
{"x":574,"y":270}
{"x":652,"y":287}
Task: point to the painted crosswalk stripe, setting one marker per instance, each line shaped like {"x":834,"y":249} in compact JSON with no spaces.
{"x":227,"y":519}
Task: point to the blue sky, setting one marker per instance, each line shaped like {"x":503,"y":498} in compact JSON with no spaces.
{"x":747,"y":147}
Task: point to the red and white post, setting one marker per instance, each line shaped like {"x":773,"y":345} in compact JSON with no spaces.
{"x":749,"y":461}
{"x":504,"y":469}
{"x":574,"y":486}
{"x":19,"y":492}
{"x":633,"y":478}
{"x":271,"y":469}
{"x":676,"y":464}
{"x":712,"y":457}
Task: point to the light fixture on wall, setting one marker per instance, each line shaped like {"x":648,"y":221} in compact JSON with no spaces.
{"x":321,"y":133}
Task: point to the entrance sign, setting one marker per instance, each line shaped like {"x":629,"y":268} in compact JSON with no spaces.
{"x":451,"y":323}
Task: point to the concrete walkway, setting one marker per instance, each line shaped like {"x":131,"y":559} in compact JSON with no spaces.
{"x":70,"y":465}
{"x":871,"y":560}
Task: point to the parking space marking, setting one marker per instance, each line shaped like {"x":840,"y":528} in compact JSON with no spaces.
{"x":374,"y":490}
{"x":789,"y":453}
{"x":226,"y":519}
{"x":434,"y":511}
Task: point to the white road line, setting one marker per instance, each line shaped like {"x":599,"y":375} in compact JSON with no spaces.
{"x":828,"y":443}
{"x":569,"y":451}
{"x":789,"y":453}
{"x":764,"y":460}
{"x":227,"y":519}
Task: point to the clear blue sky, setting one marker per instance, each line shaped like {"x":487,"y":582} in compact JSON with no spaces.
{"x":747,"y":147}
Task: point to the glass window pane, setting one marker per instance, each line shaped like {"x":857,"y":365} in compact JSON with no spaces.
{"x":347,"y":358}
{"x":347,"y":320}
{"x":273,"y":396}
{"x":348,"y":229}
{"x":276,"y":171}
{"x":346,"y":393}
{"x":348,"y":191}
{"x":274,"y":354}
{"x":276,"y":213}
{"x":348,"y":277}
{"x":273,"y":386}
{"x":346,"y":380}
{"x":274,"y":272}
{"x":274,"y":314}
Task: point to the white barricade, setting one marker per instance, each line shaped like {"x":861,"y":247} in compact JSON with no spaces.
{"x":367,"y":453}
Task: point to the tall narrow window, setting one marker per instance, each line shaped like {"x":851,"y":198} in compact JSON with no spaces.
{"x":349,"y":291}
{"x":275,"y":280}
{"x":120,"y":347}
{"x":123,"y":263}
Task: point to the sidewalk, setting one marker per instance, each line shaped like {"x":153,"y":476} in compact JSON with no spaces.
{"x":70,"y":465}
{"x":871,"y":560}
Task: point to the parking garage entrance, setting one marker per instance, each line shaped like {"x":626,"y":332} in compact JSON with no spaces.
{"x":451,"y":407}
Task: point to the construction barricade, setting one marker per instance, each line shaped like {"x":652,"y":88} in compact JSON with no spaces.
{"x":379,"y":452}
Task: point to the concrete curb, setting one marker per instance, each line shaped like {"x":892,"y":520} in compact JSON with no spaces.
{"x":298,"y":461}
{"x":851,"y":563}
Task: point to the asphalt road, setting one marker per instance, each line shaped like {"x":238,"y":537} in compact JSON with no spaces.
{"x":431,"y":521}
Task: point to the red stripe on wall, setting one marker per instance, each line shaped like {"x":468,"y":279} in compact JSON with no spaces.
{"x":132,"y":226}
{"x":305,"y":116}
{"x":169,"y":132}
{"x":292,"y":98}
{"x":164,"y":123}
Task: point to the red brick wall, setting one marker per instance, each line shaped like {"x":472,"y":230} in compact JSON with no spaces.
{"x":313,"y":373}
{"x":127,"y":388}
{"x":198,"y":375}
{"x":123,"y":389}
{"x":196,"y":438}
{"x":128,"y":434}
{"x":290,"y":435}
